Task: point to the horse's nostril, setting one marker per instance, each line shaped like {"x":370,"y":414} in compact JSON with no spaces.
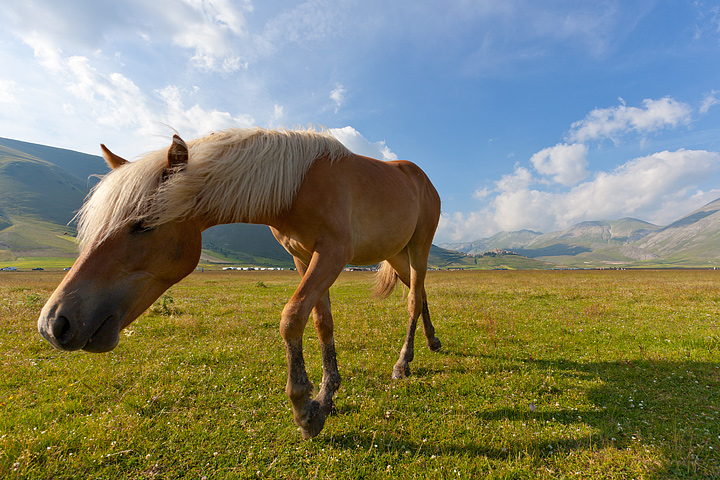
{"x":61,"y":329}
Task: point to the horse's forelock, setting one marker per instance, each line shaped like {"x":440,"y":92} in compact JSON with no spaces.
{"x":123,"y":196}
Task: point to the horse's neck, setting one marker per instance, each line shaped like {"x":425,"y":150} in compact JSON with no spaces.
{"x":257,"y":220}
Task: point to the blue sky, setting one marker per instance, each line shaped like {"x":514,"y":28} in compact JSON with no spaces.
{"x":525,"y":114}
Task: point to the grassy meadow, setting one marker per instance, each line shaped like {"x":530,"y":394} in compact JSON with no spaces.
{"x":543,"y":374}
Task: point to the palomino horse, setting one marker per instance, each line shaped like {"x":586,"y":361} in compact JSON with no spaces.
{"x":140,"y":233}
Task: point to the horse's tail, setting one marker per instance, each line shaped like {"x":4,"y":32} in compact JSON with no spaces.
{"x":385,"y":280}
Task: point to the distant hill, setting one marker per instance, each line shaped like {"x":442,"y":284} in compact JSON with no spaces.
{"x":694,"y":240}
{"x":37,"y":200}
{"x":443,"y":258}
{"x":80,"y":165}
{"x":32,"y":187}
{"x":246,"y":244}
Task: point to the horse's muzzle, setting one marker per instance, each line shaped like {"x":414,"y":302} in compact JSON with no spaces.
{"x":64,"y":334}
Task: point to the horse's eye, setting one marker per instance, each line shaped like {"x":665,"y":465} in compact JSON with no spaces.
{"x":140,"y":227}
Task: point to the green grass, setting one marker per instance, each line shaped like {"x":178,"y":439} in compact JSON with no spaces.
{"x":46,"y":263}
{"x":543,"y":374}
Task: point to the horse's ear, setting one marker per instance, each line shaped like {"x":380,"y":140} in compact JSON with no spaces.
{"x":113,"y":160}
{"x":177,"y":155}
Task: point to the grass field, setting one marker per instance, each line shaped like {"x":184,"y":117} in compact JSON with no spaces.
{"x":543,"y":374}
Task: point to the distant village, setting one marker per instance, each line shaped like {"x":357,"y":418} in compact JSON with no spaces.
{"x":493,"y":253}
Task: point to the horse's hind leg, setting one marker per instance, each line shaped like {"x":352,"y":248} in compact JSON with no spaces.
{"x":323,"y":321}
{"x":433,"y":342}
{"x":413,"y":276}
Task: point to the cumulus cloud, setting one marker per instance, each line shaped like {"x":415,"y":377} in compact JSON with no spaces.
{"x":638,"y":187}
{"x":611,"y":123}
{"x":463,"y":227}
{"x":658,"y":188}
{"x":114,"y":100}
{"x":354,"y":140}
{"x":520,"y":179}
{"x":195,"y":121}
{"x":566,"y":164}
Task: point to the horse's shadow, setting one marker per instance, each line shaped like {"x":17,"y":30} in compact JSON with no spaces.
{"x":673,"y":406}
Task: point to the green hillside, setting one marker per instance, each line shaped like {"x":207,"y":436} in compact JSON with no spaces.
{"x":246,"y":244}
{"x":442,"y":258}
{"x":37,"y":200}
{"x":36,"y":189}
{"x":81,"y":165}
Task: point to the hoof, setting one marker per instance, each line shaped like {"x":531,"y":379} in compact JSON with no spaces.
{"x":401,"y":371}
{"x":434,"y":344}
{"x":312,"y":422}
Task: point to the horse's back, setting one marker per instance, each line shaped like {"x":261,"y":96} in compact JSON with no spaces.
{"x":394,"y":200}
{"x":373,"y":207}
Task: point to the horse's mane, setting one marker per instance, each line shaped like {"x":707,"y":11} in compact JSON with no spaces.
{"x":237,"y":174}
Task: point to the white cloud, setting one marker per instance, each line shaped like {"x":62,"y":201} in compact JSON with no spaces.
{"x":482,"y":193}
{"x":214,"y":29}
{"x":566,"y":164}
{"x":711,"y":99}
{"x":613,"y":122}
{"x":353,"y":140}
{"x":195,"y":121}
{"x":338,"y":96}
{"x":277,"y":116}
{"x":45,"y":50}
{"x":523,"y":209}
{"x":463,"y":227}
{"x":658,"y":188}
{"x":638,"y":187}
{"x":520,"y":179}
{"x":115,"y":100}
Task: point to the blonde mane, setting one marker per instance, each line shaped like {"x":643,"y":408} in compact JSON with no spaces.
{"x":234,"y":175}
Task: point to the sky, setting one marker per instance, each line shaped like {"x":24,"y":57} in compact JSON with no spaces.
{"x":525,"y":114}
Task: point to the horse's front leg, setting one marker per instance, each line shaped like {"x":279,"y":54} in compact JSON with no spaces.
{"x":309,"y":413}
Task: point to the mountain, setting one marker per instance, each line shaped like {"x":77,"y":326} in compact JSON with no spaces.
{"x":694,"y":240}
{"x":81,"y":165}
{"x":32,"y":187}
{"x":246,"y":244}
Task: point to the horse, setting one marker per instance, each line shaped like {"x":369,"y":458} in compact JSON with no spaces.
{"x":139,"y":232}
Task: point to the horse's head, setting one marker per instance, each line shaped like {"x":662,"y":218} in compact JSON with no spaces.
{"x":118,"y":276}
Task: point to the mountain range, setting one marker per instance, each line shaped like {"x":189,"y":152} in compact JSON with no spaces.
{"x":41,"y":189}
{"x":692,"y":241}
